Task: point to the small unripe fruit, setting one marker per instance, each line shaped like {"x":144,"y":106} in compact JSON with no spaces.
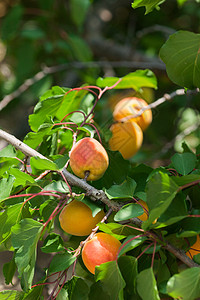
{"x":89,"y":156}
{"x":76,"y":218}
{"x":127,"y":138}
{"x":130,"y":106}
{"x":100,"y":249}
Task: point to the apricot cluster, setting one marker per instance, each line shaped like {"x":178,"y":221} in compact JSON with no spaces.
{"x":127,"y":131}
{"x":76,"y":219}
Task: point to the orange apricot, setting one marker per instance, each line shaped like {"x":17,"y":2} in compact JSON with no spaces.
{"x":76,"y":218}
{"x":89,"y":156}
{"x":126,"y":138}
{"x":194,"y":249}
{"x":145,"y":215}
{"x":130,"y":106}
{"x":102,"y":248}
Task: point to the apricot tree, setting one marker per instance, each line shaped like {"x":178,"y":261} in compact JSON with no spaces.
{"x":53,"y":178}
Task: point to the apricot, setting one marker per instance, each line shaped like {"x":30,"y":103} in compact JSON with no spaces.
{"x":194,"y":249}
{"x":89,"y":156}
{"x":126,"y":138}
{"x":145,"y":215}
{"x":102,"y":248}
{"x":130,"y":106}
{"x":76,"y":218}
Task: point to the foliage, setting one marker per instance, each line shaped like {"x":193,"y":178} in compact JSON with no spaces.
{"x":151,"y":263}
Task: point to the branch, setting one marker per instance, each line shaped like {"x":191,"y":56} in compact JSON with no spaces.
{"x":93,"y":193}
{"x":77,"y":65}
{"x":166,"y":97}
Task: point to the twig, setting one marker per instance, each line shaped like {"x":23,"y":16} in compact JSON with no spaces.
{"x":77,"y":65}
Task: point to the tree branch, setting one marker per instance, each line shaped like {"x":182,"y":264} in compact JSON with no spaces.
{"x":93,"y":193}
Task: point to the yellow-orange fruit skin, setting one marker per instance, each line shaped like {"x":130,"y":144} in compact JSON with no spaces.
{"x":127,"y":138}
{"x":131,"y":106}
{"x":195,"y":248}
{"x":101,"y":248}
{"x":76,"y":218}
{"x":89,"y":155}
{"x":145,"y":215}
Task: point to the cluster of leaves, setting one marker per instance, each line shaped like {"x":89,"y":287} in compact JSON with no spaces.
{"x":33,"y":195}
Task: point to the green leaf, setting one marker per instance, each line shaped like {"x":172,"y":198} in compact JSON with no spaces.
{"x":189,"y":227}
{"x":42,"y":164}
{"x":21,"y":178}
{"x":61,"y":262}
{"x":186,"y":179}
{"x":184,"y":163}
{"x":185,"y":285}
{"x":8,"y":151}
{"x":52,"y":243}
{"x":25,"y":236}
{"x":128,"y":268}
{"x":77,"y":288}
{"x":59,"y":186}
{"x":117,"y":230}
{"x":79,"y":48}
{"x":149,"y":4}
{"x":124,"y":190}
{"x":161,"y":190}
{"x":128,"y":211}
{"x":6,"y":185}
{"x":34,"y":139}
{"x":146,"y":285}
{"x":181,"y":55}
{"x":130,"y":243}
{"x":97,"y":292}
{"x":135,"y":80}
{"x":111,"y":278}
{"x":79,"y":10}
{"x":11,"y":295}
{"x":175,"y":212}
{"x":9,"y":271}
{"x":8,"y":218}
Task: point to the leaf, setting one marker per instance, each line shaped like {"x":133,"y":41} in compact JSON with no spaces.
{"x":128,"y":211}
{"x":6,"y":185}
{"x":112,"y":281}
{"x":9,"y":271}
{"x":175,"y":212}
{"x":97,"y":292}
{"x":135,"y":80}
{"x":59,"y":186}
{"x":8,"y":218}
{"x":130,"y":243}
{"x":79,"y":10}
{"x":61,"y":262}
{"x":184,"y":163}
{"x":11,"y":295}
{"x":186,"y":179}
{"x":52,"y":243}
{"x":128,"y":268}
{"x":77,"y":288}
{"x":42,"y":164}
{"x":124,"y":190}
{"x":8,"y":151}
{"x":181,"y":55}
{"x":146,"y":285}
{"x":161,"y":190}
{"x":185,"y":285}
{"x":79,"y":48}
{"x":25,"y":236}
{"x":21,"y":178}
{"x":189,"y":227}
{"x":117,"y":230}
{"x":149,"y":5}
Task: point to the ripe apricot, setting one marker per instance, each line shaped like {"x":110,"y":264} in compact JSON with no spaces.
{"x":76,"y":218}
{"x":145,"y":215}
{"x":89,"y":156}
{"x":102,"y":248}
{"x":130,"y":106}
{"x":194,"y":249}
{"x":126,"y":138}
